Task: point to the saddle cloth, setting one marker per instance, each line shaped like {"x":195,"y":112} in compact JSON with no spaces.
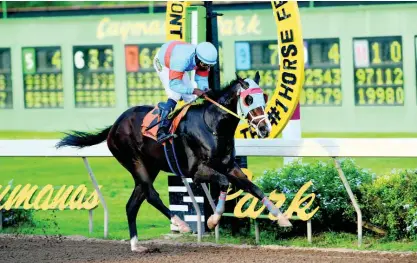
{"x":153,"y":117}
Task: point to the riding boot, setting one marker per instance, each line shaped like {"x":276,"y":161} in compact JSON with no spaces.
{"x":163,"y":130}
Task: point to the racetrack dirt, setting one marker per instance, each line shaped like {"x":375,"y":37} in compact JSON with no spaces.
{"x":72,"y":249}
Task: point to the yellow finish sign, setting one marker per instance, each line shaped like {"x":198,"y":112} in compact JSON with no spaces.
{"x":278,"y":198}
{"x":67,"y":197}
{"x":291,"y":72}
{"x":175,"y":20}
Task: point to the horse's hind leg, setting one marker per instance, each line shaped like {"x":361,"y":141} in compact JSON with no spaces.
{"x":153,"y":198}
{"x":132,"y":208}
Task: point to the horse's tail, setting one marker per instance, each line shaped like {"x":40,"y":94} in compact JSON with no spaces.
{"x":83,"y":139}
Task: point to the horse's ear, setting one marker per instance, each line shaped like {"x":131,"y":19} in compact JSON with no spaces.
{"x":237,"y":76}
{"x":257,"y":77}
{"x":266,"y":97}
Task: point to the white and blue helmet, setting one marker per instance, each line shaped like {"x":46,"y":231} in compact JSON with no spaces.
{"x":207,"y":53}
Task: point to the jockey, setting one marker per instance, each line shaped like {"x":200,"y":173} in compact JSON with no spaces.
{"x":172,"y":61}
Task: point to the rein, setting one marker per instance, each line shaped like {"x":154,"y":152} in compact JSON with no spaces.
{"x":223,"y":108}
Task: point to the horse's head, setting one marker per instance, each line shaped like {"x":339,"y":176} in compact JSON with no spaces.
{"x":252,"y":102}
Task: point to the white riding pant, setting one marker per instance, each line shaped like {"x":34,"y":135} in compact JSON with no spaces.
{"x":163,"y":73}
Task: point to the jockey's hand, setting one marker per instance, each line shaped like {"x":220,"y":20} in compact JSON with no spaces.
{"x":198,"y":92}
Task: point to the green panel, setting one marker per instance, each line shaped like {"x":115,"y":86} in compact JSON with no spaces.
{"x":29,"y":60}
{"x":143,"y":84}
{"x":6,"y":87}
{"x":43,"y":87}
{"x":323,"y":29}
{"x":378,"y":69}
{"x":323,"y":82}
{"x":94,"y":77}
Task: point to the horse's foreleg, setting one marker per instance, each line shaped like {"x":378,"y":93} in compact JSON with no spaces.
{"x":240,"y":180}
{"x":206,"y":173}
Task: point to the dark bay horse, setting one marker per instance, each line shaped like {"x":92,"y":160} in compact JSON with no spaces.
{"x":204,"y":146}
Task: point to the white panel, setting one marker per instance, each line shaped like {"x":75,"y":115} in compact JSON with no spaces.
{"x":198,"y":199}
{"x":181,"y":189}
{"x":183,"y":208}
{"x":190,"y":218}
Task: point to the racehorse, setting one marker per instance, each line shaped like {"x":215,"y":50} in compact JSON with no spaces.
{"x":204,"y":148}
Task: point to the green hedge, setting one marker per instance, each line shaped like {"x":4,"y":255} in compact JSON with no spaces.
{"x":392,"y":203}
{"x":388,"y":202}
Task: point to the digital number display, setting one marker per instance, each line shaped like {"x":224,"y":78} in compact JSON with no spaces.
{"x":378,"y":71}
{"x":94,"y":77}
{"x":6,"y":88}
{"x":262,"y":56}
{"x":42,"y":77}
{"x":143,"y":84}
{"x":322,"y":84}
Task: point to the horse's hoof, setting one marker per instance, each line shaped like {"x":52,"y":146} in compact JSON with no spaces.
{"x":213,"y":221}
{"x":182,"y":226}
{"x":283,"y":221}
{"x":139,"y":249}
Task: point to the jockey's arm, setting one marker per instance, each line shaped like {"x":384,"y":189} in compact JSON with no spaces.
{"x":176,"y":73}
{"x":201,"y":77}
{"x":177,"y":84}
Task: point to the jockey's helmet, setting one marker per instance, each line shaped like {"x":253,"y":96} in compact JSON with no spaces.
{"x":207,"y":53}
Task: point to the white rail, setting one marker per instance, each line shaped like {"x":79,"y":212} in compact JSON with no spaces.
{"x":319,"y":147}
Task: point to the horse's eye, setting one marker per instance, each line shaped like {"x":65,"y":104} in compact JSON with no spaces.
{"x":247,"y":84}
{"x":248,"y":100}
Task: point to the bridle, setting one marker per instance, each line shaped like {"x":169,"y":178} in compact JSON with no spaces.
{"x":251,"y":102}
{"x":245,"y":94}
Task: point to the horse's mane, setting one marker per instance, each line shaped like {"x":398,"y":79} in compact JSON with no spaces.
{"x":219,"y":94}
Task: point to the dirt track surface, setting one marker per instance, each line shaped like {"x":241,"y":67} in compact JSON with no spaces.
{"x":53,"y":249}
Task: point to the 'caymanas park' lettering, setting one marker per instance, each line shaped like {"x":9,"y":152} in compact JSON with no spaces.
{"x":279,"y":199}
{"x":65,"y":197}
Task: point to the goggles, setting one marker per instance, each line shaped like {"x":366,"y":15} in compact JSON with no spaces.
{"x":204,"y":65}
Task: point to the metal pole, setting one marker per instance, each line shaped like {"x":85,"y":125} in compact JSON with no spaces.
{"x":100,"y":195}
{"x":213,"y":206}
{"x":212,"y":36}
{"x":352,"y":198}
{"x":257,"y":234}
{"x":309,"y":231}
{"x":4,"y":8}
{"x":196,"y":207}
{"x":90,"y":221}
